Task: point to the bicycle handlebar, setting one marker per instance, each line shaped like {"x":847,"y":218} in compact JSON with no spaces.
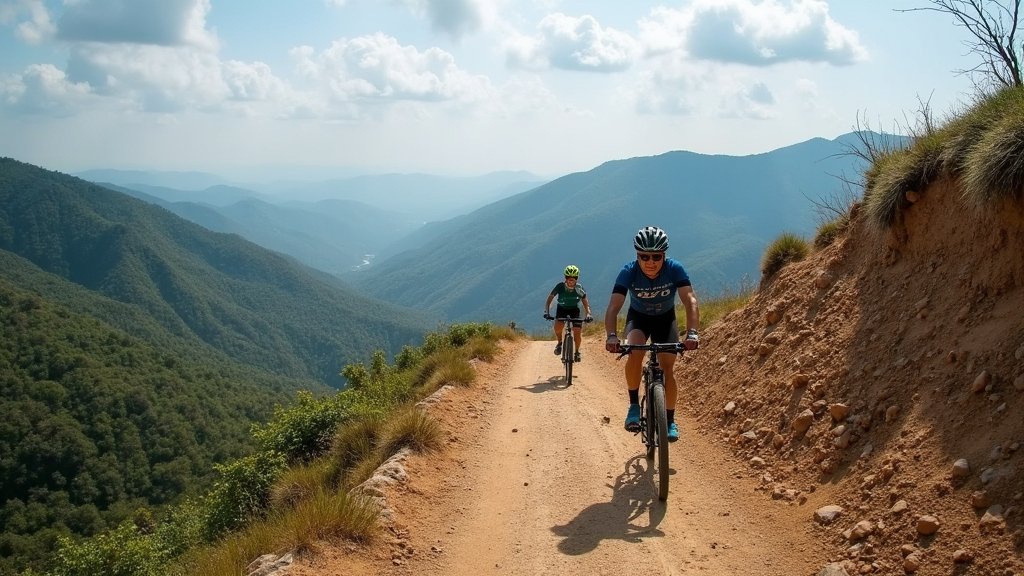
{"x":625,"y":349}
{"x":568,"y":319}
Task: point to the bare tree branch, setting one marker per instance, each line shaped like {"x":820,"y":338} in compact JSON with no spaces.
{"x":993,"y":26}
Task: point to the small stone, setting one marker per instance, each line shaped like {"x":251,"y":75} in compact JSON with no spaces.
{"x":891,"y":413}
{"x":730,"y":407}
{"x":862,"y":530}
{"x":823,"y":280}
{"x":927,"y":525}
{"x":799,"y":380}
{"x":899,"y":507}
{"x":827,"y":514}
{"x":961,"y":468}
{"x":838,"y":412}
{"x":981,"y":381}
{"x":980,"y":499}
{"x":962,"y":556}
{"x":912,"y":563}
{"x":802,"y":422}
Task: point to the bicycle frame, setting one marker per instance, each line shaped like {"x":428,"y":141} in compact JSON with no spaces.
{"x":653,"y":419}
{"x":568,"y":343}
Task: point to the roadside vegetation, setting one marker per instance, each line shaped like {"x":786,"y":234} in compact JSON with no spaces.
{"x":296,"y":488}
{"x":982,"y":148}
{"x":786,"y":248}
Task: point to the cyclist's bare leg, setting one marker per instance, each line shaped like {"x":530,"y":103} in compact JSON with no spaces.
{"x":635,"y":361}
{"x":667,"y":362}
{"x":558,"y":330}
{"x":577,"y":336}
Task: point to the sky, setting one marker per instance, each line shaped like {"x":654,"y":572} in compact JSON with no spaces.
{"x":307,"y":88}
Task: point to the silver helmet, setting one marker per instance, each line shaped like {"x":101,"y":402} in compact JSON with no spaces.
{"x":651,"y":239}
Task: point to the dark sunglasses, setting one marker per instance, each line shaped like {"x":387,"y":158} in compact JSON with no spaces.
{"x":646,"y":257}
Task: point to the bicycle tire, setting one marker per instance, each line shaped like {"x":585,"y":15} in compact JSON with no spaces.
{"x":659,"y":431}
{"x":567,"y":357}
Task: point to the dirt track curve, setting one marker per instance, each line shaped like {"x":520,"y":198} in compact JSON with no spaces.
{"x":540,"y":478}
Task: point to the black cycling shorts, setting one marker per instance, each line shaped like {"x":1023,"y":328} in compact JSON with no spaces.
{"x":660,"y":329}
{"x":566,"y":312}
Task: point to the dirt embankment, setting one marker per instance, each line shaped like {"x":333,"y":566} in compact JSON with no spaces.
{"x":885,"y":375}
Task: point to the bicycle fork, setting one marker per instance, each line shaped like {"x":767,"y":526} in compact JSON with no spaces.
{"x":647,"y":416}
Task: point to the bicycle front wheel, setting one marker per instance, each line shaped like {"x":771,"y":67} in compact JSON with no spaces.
{"x":659,"y":425}
{"x":567,"y":357}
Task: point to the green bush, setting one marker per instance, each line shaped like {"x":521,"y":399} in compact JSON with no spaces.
{"x":124,"y":551}
{"x":303,"y":430}
{"x":242,"y":492}
{"x":785,"y":249}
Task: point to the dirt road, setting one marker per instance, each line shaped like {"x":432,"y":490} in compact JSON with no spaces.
{"x":541,"y":478}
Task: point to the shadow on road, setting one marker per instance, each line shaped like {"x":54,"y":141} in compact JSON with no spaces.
{"x":549,"y":385}
{"x":634,"y":494}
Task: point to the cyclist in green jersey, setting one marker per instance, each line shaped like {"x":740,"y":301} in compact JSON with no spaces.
{"x":569,"y":294}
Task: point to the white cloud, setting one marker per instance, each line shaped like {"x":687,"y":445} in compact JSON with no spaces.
{"x":155,"y":22}
{"x":754,"y":33}
{"x":36,"y":29}
{"x":572,"y":43}
{"x":377,"y":67}
{"x":44,"y":89}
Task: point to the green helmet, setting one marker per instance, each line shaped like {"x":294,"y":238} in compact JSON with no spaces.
{"x":572,"y":271}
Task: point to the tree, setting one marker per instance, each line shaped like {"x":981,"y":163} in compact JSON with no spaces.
{"x":993,"y":26}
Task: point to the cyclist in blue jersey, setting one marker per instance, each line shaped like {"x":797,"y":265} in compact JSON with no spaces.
{"x":652,"y":282}
{"x":570,"y":294}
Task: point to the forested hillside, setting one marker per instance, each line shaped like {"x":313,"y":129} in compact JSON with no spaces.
{"x":97,"y":423}
{"x":137,"y":350}
{"x":257,"y":306}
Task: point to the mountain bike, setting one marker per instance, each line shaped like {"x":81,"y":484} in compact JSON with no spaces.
{"x":653,"y":418}
{"x":569,"y":343}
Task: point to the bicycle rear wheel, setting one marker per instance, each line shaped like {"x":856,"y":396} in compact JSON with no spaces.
{"x":567,"y":357}
{"x":659,"y":433}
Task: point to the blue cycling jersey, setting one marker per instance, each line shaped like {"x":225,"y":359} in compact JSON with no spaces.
{"x":652,"y":296}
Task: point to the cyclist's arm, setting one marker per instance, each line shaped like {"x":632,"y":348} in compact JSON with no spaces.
{"x":586,"y":306}
{"x":611,"y":315}
{"x":689,"y":301}
{"x":547,"y":303}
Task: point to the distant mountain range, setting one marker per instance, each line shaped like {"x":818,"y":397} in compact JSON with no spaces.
{"x":498,"y":263}
{"x":337,"y":225}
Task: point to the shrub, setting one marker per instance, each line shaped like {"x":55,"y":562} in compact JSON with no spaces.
{"x":124,"y":551}
{"x":353,"y":443}
{"x":994,"y":167}
{"x":785,"y":249}
{"x":895,"y":174}
{"x":413,"y":428}
{"x":327,"y":514}
{"x":242,"y":492}
{"x":828,"y":231}
{"x":303,"y":430}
